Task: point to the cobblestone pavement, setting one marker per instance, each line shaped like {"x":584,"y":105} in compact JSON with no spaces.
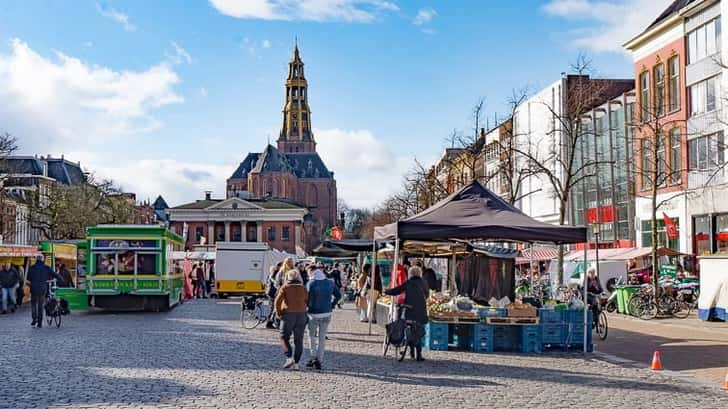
{"x":197,"y":356}
{"x":688,"y":345}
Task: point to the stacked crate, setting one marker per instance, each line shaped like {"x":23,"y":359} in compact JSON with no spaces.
{"x":575,"y":329}
{"x":531,"y":338}
{"x":553,"y":328}
{"x":482,"y":338}
{"x":436,"y":336}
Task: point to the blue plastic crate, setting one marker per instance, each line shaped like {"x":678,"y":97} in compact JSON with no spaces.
{"x":436,"y":336}
{"x":548,"y":315}
{"x":576,"y":315}
{"x":531,"y":346}
{"x":483,"y":330}
{"x":462,"y":336}
{"x":492,"y":312}
{"x":553,"y":334}
{"x":483,"y":344}
{"x":531,"y":331}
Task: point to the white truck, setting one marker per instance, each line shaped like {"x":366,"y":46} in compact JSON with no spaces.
{"x":242,"y":268}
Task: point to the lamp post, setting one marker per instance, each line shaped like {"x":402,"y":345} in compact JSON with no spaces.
{"x":596,"y":230}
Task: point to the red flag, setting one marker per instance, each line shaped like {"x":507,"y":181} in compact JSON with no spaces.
{"x":336,"y":233}
{"x":670,"y":227}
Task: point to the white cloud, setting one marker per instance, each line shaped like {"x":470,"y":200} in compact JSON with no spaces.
{"x":266,"y":44}
{"x":607,"y":24}
{"x":365,"y":168}
{"x":353,"y":11}
{"x":180,"y":55}
{"x":62,"y":102}
{"x":424,"y":16}
{"x":116,"y":15}
{"x":203,"y":91}
{"x":178,"y":181}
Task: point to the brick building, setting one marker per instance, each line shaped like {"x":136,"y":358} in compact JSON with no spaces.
{"x":275,"y":221}
{"x":292,"y":170}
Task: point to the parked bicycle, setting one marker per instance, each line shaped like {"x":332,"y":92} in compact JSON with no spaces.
{"x":255,"y":310}
{"x":55,"y":307}
{"x":675,"y":302}
{"x":403,"y":334}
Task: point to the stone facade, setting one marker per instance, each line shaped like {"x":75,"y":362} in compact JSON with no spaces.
{"x":292,"y":170}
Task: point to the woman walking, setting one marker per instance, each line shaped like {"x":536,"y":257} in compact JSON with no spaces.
{"x":290,"y":307}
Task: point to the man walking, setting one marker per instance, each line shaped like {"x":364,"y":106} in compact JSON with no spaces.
{"x":38,"y":276}
{"x":8,"y":282}
{"x":323,"y":294}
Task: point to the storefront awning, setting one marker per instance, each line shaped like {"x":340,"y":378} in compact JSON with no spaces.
{"x":537,"y":254}
{"x":19,"y":251}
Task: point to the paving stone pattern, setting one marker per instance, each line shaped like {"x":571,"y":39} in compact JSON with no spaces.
{"x":197,"y":356}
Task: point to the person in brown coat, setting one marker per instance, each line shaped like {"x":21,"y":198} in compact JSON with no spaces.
{"x":290,"y":307}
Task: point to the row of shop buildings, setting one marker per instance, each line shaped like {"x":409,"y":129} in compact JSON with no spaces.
{"x":670,"y":114}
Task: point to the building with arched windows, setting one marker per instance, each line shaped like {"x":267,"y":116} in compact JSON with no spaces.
{"x":291,"y":171}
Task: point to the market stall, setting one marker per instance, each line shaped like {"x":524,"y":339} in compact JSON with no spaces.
{"x":21,"y":258}
{"x":476,"y":215}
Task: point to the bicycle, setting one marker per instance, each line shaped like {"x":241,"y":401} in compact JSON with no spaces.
{"x":255,"y":310}
{"x":599,"y":319}
{"x":403,"y":334}
{"x":53,"y":306}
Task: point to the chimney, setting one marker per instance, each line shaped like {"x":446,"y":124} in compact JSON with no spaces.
{"x":208,"y":194}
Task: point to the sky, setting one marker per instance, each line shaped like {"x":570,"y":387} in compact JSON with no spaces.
{"x":168,"y":97}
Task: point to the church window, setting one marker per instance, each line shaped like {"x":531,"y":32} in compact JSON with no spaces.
{"x":274,"y":190}
{"x":295,"y":92}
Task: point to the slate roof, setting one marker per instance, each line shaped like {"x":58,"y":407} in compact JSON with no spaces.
{"x":302,"y":165}
{"x":264,"y":203}
{"x":272,"y":160}
{"x":245,"y":166}
{"x":61,"y":170}
{"x":160,"y":203}
{"x":674,"y":7}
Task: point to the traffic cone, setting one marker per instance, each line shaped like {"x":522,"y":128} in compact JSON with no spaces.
{"x":656,"y":362}
{"x":725,"y":383}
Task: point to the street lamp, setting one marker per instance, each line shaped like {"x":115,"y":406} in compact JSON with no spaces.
{"x":596,"y":230}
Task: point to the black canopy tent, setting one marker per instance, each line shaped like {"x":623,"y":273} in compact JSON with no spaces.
{"x":476,"y":213}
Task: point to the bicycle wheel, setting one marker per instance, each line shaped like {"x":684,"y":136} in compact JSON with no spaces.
{"x":633,"y":305}
{"x":49,"y":319}
{"x":602,"y":327}
{"x":57,"y":319}
{"x":385,"y":347}
{"x":249,"y":317}
{"x":647,"y":310}
{"x":402,"y":353}
{"x":681,"y":310}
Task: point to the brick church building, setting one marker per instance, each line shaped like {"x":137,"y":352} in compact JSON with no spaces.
{"x":292,"y":170}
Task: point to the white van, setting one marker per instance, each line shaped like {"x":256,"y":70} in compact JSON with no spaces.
{"x":242,"y":268}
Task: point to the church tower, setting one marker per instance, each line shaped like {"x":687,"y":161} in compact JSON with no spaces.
{"x":296,"y":135}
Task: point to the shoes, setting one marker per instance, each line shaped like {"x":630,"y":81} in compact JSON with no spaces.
{"x":310,"y":363}
{"x":317,"y":365}
{"x":289,"y":363}
{"x":32,"y":324}
{"x":374,"y":321}
{"x":420,"y":358}
{"x":364,"y":320}
{"x":295,"y":366}
{"x":3,"y":313}
{"x":12,"y":310}
{"x":40,"y":325}
{"x":270,"y":325}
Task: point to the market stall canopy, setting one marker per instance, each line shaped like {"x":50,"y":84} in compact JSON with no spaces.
{"x":475,"y":212}
{"x":19,"y":251}
{"x":627,"y":253}
{"x":358,"y":245}
{"x":537,"y":254}
{"x":326,"y":249}
{"x":432,"y":249}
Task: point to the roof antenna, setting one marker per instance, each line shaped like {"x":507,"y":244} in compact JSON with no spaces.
{"x":268,"y":138}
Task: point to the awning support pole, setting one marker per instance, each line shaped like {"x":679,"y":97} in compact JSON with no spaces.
{"x":371,"y":308}
{"x":584,"y":289}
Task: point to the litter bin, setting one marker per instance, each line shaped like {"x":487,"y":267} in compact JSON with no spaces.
{"x":628,"y":291}
{"x":620,"y":299}
{"x":77,"y":299}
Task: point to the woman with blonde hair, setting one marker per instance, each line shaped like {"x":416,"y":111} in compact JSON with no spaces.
{"x":290,"y":307}
{"x":283,"y":270}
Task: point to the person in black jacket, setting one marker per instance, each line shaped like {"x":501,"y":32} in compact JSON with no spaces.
{"x":416,"y":290}
{"x":8,"y":282}
{"x":38,"y":276}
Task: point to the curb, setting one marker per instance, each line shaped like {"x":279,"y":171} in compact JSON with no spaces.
{"x":672,"y":374}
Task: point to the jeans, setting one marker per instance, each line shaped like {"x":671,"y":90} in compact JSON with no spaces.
{"x":37,"y":302}
{"x":8,"y":294}
{"x":317,"y":329}
{"x":293,"y":323}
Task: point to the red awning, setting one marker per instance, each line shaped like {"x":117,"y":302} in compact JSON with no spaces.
{"x":19,"y":251}
{"x":539,"y":254}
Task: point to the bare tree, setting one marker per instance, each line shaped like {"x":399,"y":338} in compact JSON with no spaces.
{"x":562,"y":167}
{"x":8,"y":146}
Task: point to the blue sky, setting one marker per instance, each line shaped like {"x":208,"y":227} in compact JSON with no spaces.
{"x":168,"y":97}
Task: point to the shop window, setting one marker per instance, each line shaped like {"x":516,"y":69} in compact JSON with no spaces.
{"x":662,"y":239}
{"x":286,"y":233}
{"x":701,"y":235}
{"x":721,"y":233}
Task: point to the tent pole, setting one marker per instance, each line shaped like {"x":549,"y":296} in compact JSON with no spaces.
{"x":453,"y":269}
{"x":371,"y":307}
{"x":584,"y":289}
{"x":530,"y":269}
{"x":393,"y":274}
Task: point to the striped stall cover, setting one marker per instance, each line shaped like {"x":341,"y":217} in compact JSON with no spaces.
{"x":539,"y":254}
